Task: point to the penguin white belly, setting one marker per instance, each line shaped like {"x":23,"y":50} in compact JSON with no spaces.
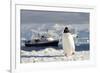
{"x":68,"y":44}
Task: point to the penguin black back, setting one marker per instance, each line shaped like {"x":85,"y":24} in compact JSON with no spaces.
{"x":66,"y":30}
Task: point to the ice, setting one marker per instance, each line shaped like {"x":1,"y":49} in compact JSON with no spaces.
{"x":51,"y":54}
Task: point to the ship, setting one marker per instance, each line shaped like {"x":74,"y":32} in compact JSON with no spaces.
{"x":41,"y":40}
{"x":42,"y":43}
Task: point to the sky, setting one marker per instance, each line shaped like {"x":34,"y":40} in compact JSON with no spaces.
{"x":33,"y":20}
{"x":41,"y":17}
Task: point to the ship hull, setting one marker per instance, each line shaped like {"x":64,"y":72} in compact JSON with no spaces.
{"x":38,"y":44}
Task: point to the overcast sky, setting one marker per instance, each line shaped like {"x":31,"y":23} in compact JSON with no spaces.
{"x":43,"y":20}
{"x":43,"y":17}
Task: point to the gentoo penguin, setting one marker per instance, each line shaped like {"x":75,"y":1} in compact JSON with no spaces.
{"x":68,"y":43}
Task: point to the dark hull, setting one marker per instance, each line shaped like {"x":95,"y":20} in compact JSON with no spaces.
{"x":38,"y":44}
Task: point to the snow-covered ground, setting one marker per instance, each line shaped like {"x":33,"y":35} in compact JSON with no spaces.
{"x":50,"y":54}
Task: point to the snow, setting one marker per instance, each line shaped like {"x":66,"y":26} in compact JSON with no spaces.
{"x":50,"y":55}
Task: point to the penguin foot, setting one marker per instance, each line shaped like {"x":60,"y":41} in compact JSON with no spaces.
{"x":66,"y":55}
{"x":73,"y":53}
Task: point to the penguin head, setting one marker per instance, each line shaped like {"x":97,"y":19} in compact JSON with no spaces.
{"x":66,"y":30}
